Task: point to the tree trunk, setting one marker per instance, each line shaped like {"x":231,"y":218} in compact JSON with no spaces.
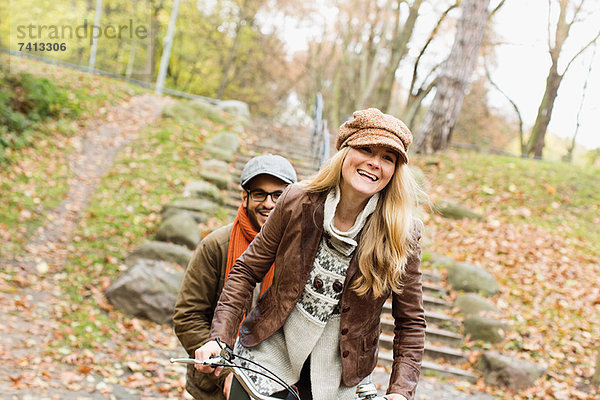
{"x":399,"y":49}
{"x":229,"y":64}
{"x":154,"y":41}
{"x":535,"y":145}
{"x":414,"y":103}
{"x":436,"y":129}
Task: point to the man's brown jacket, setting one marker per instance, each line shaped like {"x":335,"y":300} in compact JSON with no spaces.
{"x":200,"y":290}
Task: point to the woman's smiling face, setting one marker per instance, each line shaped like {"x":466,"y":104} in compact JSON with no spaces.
{"x":367,"y":170}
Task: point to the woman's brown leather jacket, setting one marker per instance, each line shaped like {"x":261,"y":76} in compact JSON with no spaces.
{"x":291,"y":237}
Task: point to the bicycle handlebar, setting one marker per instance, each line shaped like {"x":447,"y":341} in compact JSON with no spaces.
{"x":365,"y":391}
{"x":221,"y":361}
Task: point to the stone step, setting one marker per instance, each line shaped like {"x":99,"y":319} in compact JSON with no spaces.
{"x":293,"y":156}
{"x":291,"y":150}
{"x":432,"y":368}
{"x":430,"y":276}
{"x":302,"y":170}
{"x":429,"y":302}
{"x":438,"y":319}
{"x":443,"y":336}
{"x":433,"y":289}
{"x":435,"y":302}
{"x":432,"y":351}
{"x":432,"y":334}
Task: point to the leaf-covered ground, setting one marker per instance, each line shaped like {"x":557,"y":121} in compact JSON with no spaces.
{"x":540,"y":240}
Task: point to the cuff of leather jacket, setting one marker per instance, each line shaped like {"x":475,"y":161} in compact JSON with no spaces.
{"x":404,"y":380}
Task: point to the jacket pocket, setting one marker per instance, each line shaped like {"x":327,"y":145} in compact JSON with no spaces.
{"x":368,"y":349}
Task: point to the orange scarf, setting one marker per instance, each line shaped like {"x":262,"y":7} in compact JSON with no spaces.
{"x":242,"y":234}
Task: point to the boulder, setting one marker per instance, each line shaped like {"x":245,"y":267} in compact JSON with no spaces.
{"x":220,"y":179}
{"x":513,"y":374}
{"x":219,"y":153}
{"x":181,"y":229}
{"x":440,"y":261}
{"x":199,"y":217}
{"x":199,"y":209}
{"x":228,"y":141}
{"x":471,"y":278}
{"x":147,"y":289}
{"x":454,"y":211}
{"x":203,"y":190}
{"x":195,"y":112}
{"x":215,"y":165}
{"x":169,"y":252}
{"x":237,"y":126}
{"x":484,"y":328}
{"x":235,"y":107}
{"x":471,"y":303}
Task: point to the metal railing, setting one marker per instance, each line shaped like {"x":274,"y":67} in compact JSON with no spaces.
{"x":147,"y":85}
{"x":320,"y":137}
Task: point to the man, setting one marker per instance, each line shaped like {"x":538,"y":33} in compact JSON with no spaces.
{"x":263,"y":179}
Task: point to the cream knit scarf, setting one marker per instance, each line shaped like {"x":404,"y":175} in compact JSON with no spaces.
{"x":345,"y":242}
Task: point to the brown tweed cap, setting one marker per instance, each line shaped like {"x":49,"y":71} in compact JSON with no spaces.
{"x":371,"y":127}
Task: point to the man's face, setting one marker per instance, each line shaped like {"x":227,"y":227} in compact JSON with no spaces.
{"x":258,"y":211}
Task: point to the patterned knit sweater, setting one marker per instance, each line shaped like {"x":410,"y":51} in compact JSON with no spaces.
{"x":312,"y":328}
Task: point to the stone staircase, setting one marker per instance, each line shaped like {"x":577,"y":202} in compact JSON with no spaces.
{"x":443,"y":354}
{"x":290,"y":142}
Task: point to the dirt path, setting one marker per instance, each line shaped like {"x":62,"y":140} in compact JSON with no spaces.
{"x":28,"y":312}
{"x":96,"y":151}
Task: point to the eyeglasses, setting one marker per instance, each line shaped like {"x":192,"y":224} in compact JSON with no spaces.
{"x":259,"y":195}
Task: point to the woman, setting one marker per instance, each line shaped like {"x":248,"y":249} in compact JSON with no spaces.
{"x":342,"y":242}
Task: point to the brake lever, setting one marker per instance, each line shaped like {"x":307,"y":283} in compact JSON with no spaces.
{"x":194,"y":361}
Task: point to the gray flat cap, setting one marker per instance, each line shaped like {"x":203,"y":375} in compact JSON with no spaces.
{"x":269,"y":164}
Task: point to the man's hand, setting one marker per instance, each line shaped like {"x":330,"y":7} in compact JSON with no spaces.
{"x":208,"y":350}
{"x":227,"y":386}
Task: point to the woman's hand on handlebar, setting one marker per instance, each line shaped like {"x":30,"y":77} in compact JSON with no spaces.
{"x":394,"y":396}
{"x":208,"y":350}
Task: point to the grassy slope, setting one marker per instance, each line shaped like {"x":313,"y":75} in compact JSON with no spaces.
{"x":557,"y":196}
{"x":36,"y":178}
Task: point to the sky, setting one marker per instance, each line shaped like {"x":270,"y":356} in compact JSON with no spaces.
{"x":523,"y":63}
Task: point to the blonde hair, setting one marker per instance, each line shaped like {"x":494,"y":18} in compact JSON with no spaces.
{"x":381,"y":263}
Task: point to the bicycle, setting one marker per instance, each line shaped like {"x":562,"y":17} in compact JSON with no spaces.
{"x":365,"y":391}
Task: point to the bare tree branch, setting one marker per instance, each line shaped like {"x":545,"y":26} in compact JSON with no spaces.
{"x":429,"y":40}
{"x":514,"y":105}
{"x":594,"y":40}
{"x":548,"y":25}
{"x":495,"y":10}
{"x":569,"y":155}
